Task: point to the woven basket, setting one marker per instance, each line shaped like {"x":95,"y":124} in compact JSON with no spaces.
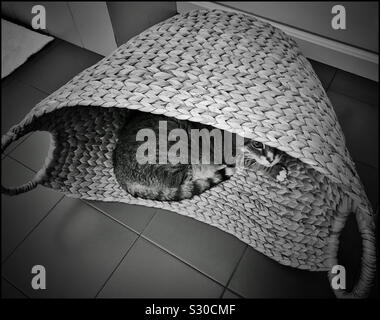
{"x":235,"y":73}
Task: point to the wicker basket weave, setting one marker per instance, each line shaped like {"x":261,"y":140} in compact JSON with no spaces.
{"x":235,"y":73}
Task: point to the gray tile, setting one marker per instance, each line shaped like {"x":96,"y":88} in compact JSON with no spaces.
{"x":14,"y":145}
{"x":360,"y":124}
{"x":94,"y":26}
{"x":21,"y":213}
{"x":324,"y":72}
{"x":17,"y":100}
{"x":33,"y":151}
{"x":6,"y":10}
{"x":8,"y":291}
{"x":228,"y":294}
{"x":23,"y":12}
{"x":357,"y":87}
{"x":149,"y":272}
{"x":7,"y":81}
{"x":370,"y":179}
{"x":258,"y":276}
{"x":29,"y":62}
{"x":130,"y":18}
{"x":60,"y":22}
{"x":79,"y":248}
{"x":59,"y":19}
{"x":133,"y":216}
{"x":208,"y":249}
{"x":48,"y":72}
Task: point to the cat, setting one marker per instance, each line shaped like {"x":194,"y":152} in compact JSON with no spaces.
{"x":176,"y":181}
{"x":268,"y":159}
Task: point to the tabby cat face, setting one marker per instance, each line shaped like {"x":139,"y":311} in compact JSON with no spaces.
{"x":263,"y":154}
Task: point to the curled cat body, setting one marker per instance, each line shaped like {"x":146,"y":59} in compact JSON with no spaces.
{"x":176,"y":181}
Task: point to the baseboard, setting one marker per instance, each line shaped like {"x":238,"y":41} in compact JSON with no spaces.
{"x":333,"y":53}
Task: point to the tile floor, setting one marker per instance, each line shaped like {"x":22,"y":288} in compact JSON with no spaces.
{"x":95,"y":249}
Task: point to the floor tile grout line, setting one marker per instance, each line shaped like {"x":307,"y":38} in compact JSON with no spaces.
{"x":20,"y":142}
{"x":234,"y":270}
{"x":344,"y":94}
{"x":75,"y":24}
{"x":365,"y":164}
{"x":88,"y":202}
{"x":41,"y":55}
{"x":372,"y":105}
{"x":162,"y":248}
{"x":122,"y":259}
{"x":34,"y":58}
{"x":34,"y":87}
{"x":109,"y":216}
{"x":156,"y":244}
{"x":150,"y":220}
{"x":116,"y":267}
{"x":17,"y":79}
{"x":21,"y":163}
{"x":32,"y":230}
{"x":5,"y":83}
{"x":332,"y":79}
{"x":14,"y":286}
{"x":234,"y":292}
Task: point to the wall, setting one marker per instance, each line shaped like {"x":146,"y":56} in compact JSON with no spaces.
{"x":85,"y":24}
{"x":361,"y":19}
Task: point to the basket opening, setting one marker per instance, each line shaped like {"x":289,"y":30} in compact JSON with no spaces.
{"x":350,"y":251}
{"x":34,"y":153}
{"x":230,"y":143}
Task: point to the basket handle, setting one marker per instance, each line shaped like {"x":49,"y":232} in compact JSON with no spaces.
{"x":366,"y":225}
{"x":6,"y":140}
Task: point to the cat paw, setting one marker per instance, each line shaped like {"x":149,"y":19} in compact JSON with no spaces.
{"x":282,"y":174}
{"x":220,"y":167}
{"x":230,"y":171}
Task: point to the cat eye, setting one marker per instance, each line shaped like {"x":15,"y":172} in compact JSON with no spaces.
{"x":257,"y":145}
